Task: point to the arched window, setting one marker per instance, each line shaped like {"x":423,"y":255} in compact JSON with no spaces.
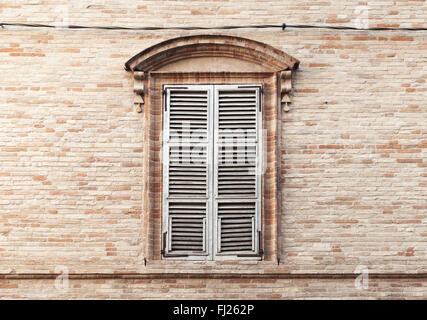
{"x":212,"y":108}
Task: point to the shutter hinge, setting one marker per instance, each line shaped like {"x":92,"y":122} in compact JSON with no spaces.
{"x":163,"y":251}
{"x":164,"y":100}
{"x":261,"y":89}
{"x":261,"y":250}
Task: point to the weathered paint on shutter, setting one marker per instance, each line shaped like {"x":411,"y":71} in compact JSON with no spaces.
{"x":187,"y":148}
{"x":237,"y":176}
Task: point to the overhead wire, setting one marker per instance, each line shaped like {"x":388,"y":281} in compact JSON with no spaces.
{"x":282,"y":26}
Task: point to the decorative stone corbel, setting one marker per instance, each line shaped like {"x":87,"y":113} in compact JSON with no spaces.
{"x":285,"y":89}
{"x":139,"y":90}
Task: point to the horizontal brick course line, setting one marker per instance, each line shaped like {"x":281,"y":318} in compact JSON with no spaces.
{"x":149,"y":276}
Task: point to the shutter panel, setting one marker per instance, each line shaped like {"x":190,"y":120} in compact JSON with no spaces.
{"x":237,"y":170}
{"x":186,"y":150}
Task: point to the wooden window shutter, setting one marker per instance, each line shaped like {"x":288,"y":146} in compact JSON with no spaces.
{"x":237,"y":178}
{"x":187,"y":149}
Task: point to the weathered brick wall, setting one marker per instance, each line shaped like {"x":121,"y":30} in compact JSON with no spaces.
{"x":212,"y":289}
{"x":354,"y":143}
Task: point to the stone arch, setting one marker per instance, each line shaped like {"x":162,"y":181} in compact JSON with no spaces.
{"x":170,"y":51}
{"x":211,"y":53}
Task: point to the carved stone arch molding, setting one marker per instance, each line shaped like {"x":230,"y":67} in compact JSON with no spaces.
{"x":210,"y":59}
{"x":211,"y":53}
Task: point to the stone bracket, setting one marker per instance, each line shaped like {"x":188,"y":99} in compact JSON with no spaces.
{"x":285,"y":89}
{"x":139,"y":90}
{"x":140,"y":78}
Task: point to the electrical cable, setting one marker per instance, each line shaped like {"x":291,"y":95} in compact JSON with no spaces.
{"x":283,"y":26}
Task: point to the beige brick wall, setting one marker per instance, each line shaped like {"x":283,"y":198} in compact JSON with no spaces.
{"x":354,"y":150}
{"x":212,"y":289}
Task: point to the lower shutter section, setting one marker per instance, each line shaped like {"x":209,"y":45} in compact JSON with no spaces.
{"x":236,"y":225}
{"x":187,"y":227}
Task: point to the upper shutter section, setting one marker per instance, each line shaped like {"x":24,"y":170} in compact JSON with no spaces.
{"x":237,"y":109}
{"x":186,"y":126}
{"x":188,"y":114}
{"x":238,"y":125}
{"x":186,"y":179}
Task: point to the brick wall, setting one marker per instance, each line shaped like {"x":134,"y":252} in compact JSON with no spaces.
{"x":354,"y":145}
{"x":213,"y":289}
